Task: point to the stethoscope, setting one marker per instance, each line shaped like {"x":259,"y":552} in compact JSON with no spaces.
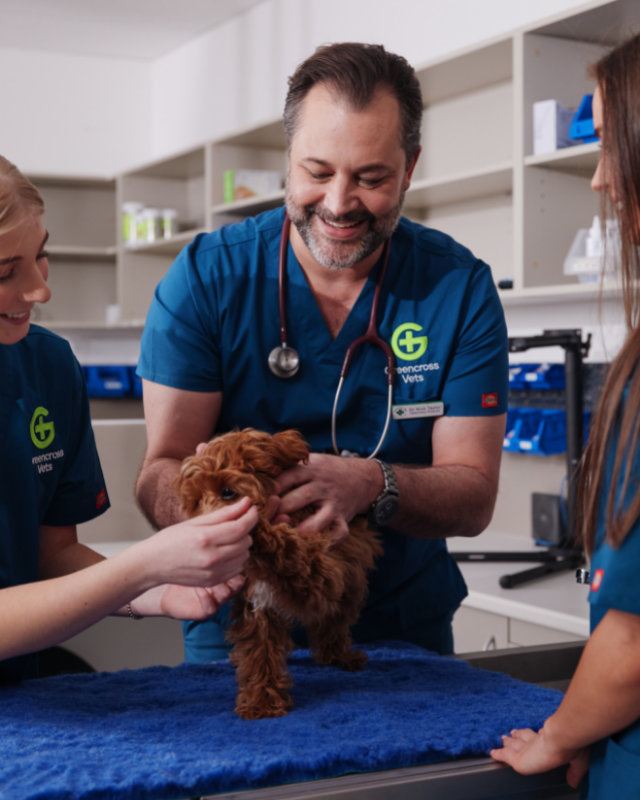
{"x":284,"y":361}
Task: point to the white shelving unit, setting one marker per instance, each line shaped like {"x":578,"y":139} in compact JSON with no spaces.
{"x":476,"y":179}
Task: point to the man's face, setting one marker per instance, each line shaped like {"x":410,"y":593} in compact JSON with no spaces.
{"x":347,"y":176}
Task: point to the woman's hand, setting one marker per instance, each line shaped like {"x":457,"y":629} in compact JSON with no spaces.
{"x":198,"y":603}
{"x":529,"y":753}
{"x":205,"y":551}
{"x":338,"y":487}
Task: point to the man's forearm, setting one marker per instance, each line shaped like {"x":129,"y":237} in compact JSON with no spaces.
{"x":437,"y":502}
{"x":155,"y":493}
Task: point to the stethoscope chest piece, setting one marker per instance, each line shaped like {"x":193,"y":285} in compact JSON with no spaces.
{"x":284,"y":361}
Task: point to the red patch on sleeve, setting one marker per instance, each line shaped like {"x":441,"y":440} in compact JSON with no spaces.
{"x":101,"y":499}
{"x":490,"y":400}
{"x":597,"y":580}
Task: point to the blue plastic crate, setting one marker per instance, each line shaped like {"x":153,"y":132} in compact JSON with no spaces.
{"x":582,"y":124}
{"x":539,"y":432}
{"x":517,"y":373}
{"x":108,"y":381}
{"x":544,"y":376}
{"x":136,"y":383}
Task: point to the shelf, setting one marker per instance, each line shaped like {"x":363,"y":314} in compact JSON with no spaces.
{"x":73,"y":253}
{"x":167,"y":247}
{"x":183,"y":166}
{"x":561,"y":293}
{"x":496,"y":179}
{"x":466,"y":71}
{"x":55,"y":325}
{"x":579,"y":160}
{"x":269,"y":135}
{"x":72,"y":181}
{"x":252,"y":205}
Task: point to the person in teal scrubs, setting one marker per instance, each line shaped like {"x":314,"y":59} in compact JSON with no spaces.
{"x":597,"y":726}
{"x":353,"y":116}
{"x":52,"y":587}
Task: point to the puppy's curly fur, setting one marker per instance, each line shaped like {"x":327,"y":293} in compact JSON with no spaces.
{"x":290,"y":579}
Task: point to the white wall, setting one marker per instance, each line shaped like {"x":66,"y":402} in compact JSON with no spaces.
{"x":74,"y":115}
{"x":235,"y":76}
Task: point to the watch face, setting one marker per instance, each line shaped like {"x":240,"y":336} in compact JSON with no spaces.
{"x":386,"y":510}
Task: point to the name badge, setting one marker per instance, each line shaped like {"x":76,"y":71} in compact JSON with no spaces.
{"x":417,"y":410}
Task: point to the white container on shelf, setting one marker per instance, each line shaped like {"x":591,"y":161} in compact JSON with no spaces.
{"x":169,"y":222}
{"x":130,"y":211}
{"x":151,"y":218}
{"x":589,"y":254}
{"x":551,"y":121}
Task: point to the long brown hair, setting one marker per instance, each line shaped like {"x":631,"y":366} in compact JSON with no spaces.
{"x":618,"y":77}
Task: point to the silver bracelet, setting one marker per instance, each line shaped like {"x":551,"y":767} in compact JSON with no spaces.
{"x":131,"y":614}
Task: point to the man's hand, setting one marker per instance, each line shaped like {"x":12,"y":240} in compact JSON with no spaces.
{"x":339,"y":488}
{"x":529,"y":753}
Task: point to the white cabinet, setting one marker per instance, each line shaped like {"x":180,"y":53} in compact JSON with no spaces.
{"x":475,"y":630}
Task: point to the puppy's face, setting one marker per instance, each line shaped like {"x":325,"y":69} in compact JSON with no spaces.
{"x":235,"y":465}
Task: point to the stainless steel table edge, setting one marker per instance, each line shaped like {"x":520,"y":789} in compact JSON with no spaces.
{"x":480,"y":778}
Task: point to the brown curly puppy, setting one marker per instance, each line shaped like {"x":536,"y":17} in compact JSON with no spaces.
{"x":290,"y":579}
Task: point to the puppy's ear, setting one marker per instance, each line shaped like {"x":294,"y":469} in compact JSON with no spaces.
{"x":284,"y":450}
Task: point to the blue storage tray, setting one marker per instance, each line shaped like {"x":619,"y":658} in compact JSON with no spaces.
{"x":536,"y":376}
{"x":108,"y":381}
{"x":539,"y":432}
{"x":136,"y":383}
{"x":582,"y":123}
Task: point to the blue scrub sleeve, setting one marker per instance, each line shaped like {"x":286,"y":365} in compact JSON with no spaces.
{"x":81,"y":494}
{"x":180,"y":340}
{"x":614,"y":573}
{"x":477,"y":374}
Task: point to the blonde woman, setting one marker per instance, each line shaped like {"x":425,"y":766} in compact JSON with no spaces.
{"x":52,"y":587}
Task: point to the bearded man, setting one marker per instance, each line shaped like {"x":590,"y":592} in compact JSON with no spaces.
{"x":352,"y":118}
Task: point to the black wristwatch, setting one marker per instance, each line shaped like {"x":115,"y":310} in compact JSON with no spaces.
{"x":386,"y":504}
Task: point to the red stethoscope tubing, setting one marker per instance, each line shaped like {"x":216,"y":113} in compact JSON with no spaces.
{"x":371,"y":335}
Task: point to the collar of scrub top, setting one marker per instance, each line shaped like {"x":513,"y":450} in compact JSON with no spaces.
{"x":285,"y":361}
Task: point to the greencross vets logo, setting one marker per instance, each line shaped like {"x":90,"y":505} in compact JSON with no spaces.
{"x":408,"y":347}
{"x":42,"y":433}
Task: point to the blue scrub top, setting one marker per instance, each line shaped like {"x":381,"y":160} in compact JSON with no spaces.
{"x":49,"y":472}
{"x":614,"y":769}
{"x":214,"y":320}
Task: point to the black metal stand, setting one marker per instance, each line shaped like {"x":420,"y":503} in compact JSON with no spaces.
{"x":566,"y":556}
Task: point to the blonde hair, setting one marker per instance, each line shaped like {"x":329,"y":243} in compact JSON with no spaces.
{"x":18,"y":196}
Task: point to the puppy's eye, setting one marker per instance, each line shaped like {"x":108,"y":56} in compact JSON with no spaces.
{"x":228,"y":494}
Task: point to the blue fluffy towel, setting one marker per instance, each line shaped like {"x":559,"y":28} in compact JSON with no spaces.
{"x":171,"y":732}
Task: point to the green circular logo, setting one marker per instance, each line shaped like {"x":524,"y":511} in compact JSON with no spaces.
{"x":42,"y":433}
{"x":409,"y":342}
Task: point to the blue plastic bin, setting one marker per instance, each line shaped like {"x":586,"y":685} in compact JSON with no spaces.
{"x":539,"y":432}
{"x":544,"y":376}
{"x":582,"y":123}
{"x":136,"y":383}
{"x":517,"y":373}
{"x":108,"y":381}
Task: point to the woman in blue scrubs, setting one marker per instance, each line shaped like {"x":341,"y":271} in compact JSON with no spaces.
{"x":597,"y":726}
{"x":51,"y":481}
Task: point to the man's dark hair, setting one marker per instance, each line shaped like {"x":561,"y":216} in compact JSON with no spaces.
{"x":356,"y":72}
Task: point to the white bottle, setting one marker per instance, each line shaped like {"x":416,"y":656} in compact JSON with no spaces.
{"x":129,"y":231}
{"x":593,"y":244}
{"x":169,"y":222}
{"x":152,"y":224}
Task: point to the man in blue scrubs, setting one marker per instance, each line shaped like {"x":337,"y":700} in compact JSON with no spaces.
{"x":352,"y":117}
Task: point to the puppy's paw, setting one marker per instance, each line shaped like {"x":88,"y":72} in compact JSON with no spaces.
{"x":264,"y":707}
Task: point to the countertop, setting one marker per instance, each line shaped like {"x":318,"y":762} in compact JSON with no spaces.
{"x":555,"y":601}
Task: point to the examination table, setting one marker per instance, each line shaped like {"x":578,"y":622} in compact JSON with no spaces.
{"x":411,"y":725}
